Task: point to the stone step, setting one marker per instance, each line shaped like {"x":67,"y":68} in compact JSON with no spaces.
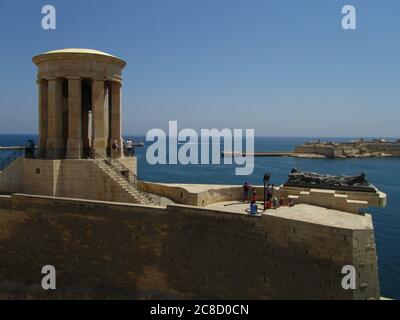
{"x":128,"y":186}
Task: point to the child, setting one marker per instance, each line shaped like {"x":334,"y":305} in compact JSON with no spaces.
{"x":275,"y":203}
{"x":253,"y":208}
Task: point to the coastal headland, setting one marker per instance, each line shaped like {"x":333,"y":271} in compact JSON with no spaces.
{"x":339,"y":150}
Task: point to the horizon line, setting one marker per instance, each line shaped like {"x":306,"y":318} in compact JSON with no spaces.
{"x":256,"y":136}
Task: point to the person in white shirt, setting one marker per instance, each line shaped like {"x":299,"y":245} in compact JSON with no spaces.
{"x":129,"y":146}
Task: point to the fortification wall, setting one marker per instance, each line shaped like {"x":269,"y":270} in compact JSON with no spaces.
{"x":130,"y":163}
{"x":115,"y":250}
{"x":346,"y":152}
{"x":327,"y":151}
{"x":381,"y":147}
{"x":196,"y":195}
{"x":377,"y":199}
{"x":81,"y":179}
{"x":173,"y":192}
{"x":350,"y":150}
{"x":11,"y":177}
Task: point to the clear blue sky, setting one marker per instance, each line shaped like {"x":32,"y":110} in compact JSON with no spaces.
{"x":284,"y":68}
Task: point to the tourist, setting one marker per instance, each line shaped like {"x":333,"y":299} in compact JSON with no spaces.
{"x":133,"y":148}
{"x":250,"y":192}
{"x":269,"y":192}
{"x":254,"y":196}
{"x":245,"y":192}
{"x":123,"y":144}
{"x":30,"y":149}
{"x":115,"y":148}
{"x":253,"y":208}
{"x":129,"y":145}
{"x":275,"y":203}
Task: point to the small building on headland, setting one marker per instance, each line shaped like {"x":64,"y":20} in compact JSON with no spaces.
{"x":79,"y":206}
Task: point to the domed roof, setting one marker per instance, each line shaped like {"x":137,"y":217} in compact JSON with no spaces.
{"x":37,"y":59}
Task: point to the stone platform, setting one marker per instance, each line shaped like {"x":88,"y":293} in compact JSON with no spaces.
{"x":206,"y":194}
{"x":303,"y":212}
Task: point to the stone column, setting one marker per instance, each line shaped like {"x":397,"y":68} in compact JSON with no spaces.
{"x":74,"y":144}
{"x":43,"y":117}
{"x":116,"y":128}
{"x":55,"y":143}
{"x":99,"y":138}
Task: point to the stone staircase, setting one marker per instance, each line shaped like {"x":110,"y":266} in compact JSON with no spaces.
{"x":329,"y":199}
{"x":132,"y":191}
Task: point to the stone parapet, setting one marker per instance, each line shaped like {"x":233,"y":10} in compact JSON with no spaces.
{"x":117,"y":250}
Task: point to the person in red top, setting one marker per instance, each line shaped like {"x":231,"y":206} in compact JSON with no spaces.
{"x":115,"y":148}
{"x":254,"y":196}
{"x":245,"y":192}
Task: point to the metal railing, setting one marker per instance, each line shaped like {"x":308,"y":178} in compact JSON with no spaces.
{"x":131,"y":177}
{"x":4,"y":163}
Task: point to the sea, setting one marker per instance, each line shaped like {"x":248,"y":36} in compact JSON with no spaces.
{"x":384,"y":173}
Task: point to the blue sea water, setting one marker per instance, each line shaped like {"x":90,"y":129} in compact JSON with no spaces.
{"x":384,"y":173}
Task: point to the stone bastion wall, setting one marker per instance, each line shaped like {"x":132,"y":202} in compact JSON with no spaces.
{"x":344,"y":150}
{"x":119,"y":250}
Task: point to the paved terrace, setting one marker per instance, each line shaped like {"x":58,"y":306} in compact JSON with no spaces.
{"x":304,"y":213}
{"x":203,"y":195}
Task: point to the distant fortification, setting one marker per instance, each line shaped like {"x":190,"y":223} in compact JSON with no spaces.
{"x":354,"y":149}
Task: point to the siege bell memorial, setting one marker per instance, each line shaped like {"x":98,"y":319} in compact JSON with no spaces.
{"x":79,"y":103}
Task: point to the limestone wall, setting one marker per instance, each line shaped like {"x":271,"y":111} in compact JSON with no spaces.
{"x":173,"y":192}
{"x":195,"y":195}
{"x":10,"y":178}
{"x":115,"y":250}
{"x":329,"y":199}
{"x":350,"y":150}
{"x":130,"y":163}
{"x":381,"y":147}
{"x":346,"y":152}
{"x":377,"y":199}
{"x":81,"y":179}
{"x":328,"y":151}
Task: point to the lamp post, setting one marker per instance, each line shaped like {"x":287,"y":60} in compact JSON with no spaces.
{"x":266,"y":178}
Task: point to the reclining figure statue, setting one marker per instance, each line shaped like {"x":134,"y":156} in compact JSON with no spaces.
{"x":312,"y":178}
